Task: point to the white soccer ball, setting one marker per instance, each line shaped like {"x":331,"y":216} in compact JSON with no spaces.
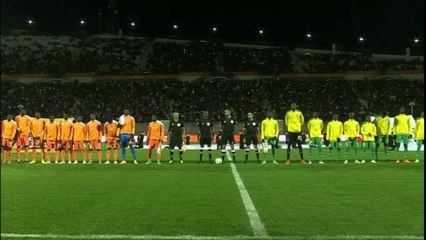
{"x":122,"y":120}
{"x":265,"y":147}
{"x":218,"y":160}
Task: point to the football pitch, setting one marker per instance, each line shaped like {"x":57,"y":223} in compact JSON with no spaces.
{"x":211,"y":201}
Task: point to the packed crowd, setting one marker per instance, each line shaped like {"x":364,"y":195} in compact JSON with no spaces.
{"x":144,"y":98}
{"x":171,"y":57}
{"x":263,"y":61}
{"x":60,"y":55}
{"x":111,"y":55}
{"x":333,"y":63}
{"x":398,"y":64}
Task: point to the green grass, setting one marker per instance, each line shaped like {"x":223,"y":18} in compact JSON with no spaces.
{"x":203,"y":200}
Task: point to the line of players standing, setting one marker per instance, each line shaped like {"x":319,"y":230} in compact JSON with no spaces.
{"x":123,"y":132}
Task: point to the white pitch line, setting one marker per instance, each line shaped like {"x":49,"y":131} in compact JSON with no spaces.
{"x":255,"y":222}
{"x":194,"y":237}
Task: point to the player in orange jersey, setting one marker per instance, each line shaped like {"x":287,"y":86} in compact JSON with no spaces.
{"x":65,"y":139}
{"x":94,"y":134}
{"x":110,"y":133}
{"x":51,"y":134}
{"x":8,"y":132}
{"x":79,"y":136}
{"x":23,"y":133}
{"x":155,"y":138}
{"x":37,"y":132}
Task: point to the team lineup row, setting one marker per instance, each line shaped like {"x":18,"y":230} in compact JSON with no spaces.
{"x":70,"y":137}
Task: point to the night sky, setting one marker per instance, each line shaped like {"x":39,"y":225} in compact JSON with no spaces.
{"x":386,"y":25}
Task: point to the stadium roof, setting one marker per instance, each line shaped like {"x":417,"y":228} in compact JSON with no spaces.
{"x":384,"y":24}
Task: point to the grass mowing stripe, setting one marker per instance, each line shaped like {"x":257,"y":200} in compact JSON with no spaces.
{"x":193,"y":237}
{"x":255,"y":222}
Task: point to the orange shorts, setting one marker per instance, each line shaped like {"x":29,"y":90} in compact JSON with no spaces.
{"x":6,"y":143}
{"x":112,"y":143}
{"x":40,"y":143}
{"x":65,"y":144}
{"x":23,"y":141}
{"x":154,"y":144}
{"x":95,"y":144}
{"x":78,"y":145}
{"x":50,"y":144}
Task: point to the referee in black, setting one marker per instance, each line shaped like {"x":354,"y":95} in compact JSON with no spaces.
{"x":251,"y":132}
{"x":176,"y":136}
{"x":228,"y":128}
{"x":205,"y":135}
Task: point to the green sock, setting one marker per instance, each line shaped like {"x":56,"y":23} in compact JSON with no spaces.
{"x":418,"y":150}
{"x":405,"y":150}
{"x":397,"y":149}
{"x":356,"y":152}
{"x":386,"y":152}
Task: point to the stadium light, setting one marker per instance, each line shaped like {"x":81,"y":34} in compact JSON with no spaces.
{"x":308,"y":35}
{"x":261,"y":32}
{"x":214,"y":29}
{"x":416,"y":40}
{"x":30,"y":21}
{"x":82,"y":22}
{"x":132,"y":24}
{"x":361,"y":39}
{"x":175,"y":26}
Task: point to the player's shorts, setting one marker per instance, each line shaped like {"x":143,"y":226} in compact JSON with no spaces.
{"x":368,"y":144}
{"x":154,"y":144}
{"x":95,"y":144}
{"x":50,"y":144}
{"x":335,"y":144}
{"x":315,"y":141}
{"x":251,"y":138}
{"x":271,"y":141}
{"x":294,"y":137}
{"x":420,"y":141}
{"x":382,"y":138}
{"x":65,"y":144}
{"x":206,"y":141}
{"x":352,"y":142}
{"x":125,"y":139}
{"x":6,"y":143}
{"x":40,"y":143}
{"x":227,"y":137}
{"x":112,"y":143}
{"x":24,"y":140}
{"x":78,"y":145}
{"x":403,"y":137}
{"x":175,"y":142}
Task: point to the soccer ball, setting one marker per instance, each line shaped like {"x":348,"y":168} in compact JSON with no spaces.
{"x":265,"y":147}
{"x":218,"y":160}
{"x":122,"y":120}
